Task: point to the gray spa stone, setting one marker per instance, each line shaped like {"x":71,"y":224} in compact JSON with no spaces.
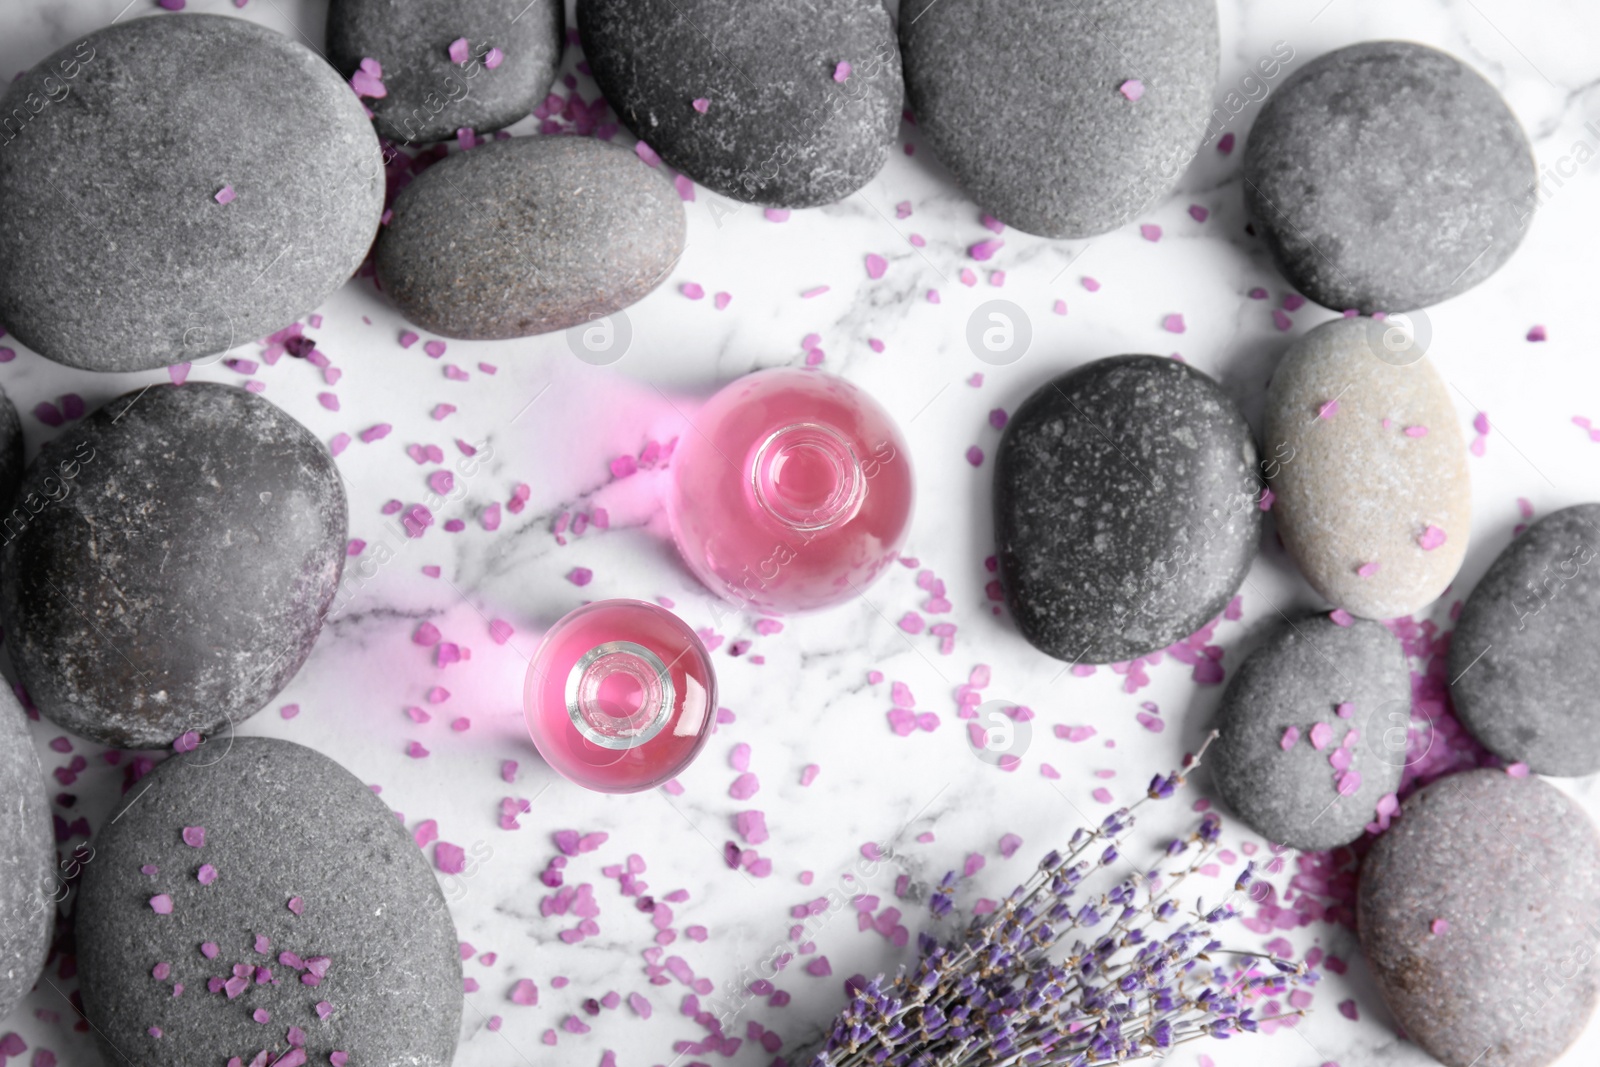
{"x":28,"y":889}
{"x":176,"y":554}
{"x":779,"y":128}
{"x":114,"y":252}
{"x":284,"y":828}
{"x":429,"y":96}
{"x":1526,"y":679}
{"x":1388,"y":176}
{"x":1023,"y":101}
{"x":11,"y":443}
{"x":1291,"y":690}
{"x":1512,"y":867}
{"x":1374,"y":500}
{"x":1126,"y":508}
{"x":529,"y":235}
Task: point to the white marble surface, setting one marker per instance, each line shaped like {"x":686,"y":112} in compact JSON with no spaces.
{"x":554,"y":422}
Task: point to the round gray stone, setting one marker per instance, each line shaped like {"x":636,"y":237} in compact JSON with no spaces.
{"x":284,"y":827}
{"x":1126,"y":508}
{"x":529,"y":235}
{"x":1022,"y":100}
{"x":1525,"y":675}
{"x":1298,"y":678}
{"x":177,"y":552}
{"x":778,"y":129}
{"x":1388,"y":176}
{"x":11,"y":444}
{"x":1513,"y":867}
{"x":109,"y":177}
{"x":27,"y":859}
{"x":430,"y":96}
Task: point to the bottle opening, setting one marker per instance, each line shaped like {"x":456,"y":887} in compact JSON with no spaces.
{"x":807,"y":477}
{"x":620,"y":695}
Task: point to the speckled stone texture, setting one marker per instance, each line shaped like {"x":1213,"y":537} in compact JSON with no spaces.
{"x":1388,"y":176}
{"x":429,"y":95}
{"x":1021,"y":100}
{"x":1526,"y":681}
{"x":1126,"y":508}
{"x":527,"y":236}
{"x":1353,"y":487}
{"x":1299,"y":677}
{"x":1513,"y":866}
{"x":283,"y":825}
{"x":27,"y":859}
{"x":131,"y":134}
{"x":11,"y":444}
{"x":187,"y":543}
{"x":778,"y":129}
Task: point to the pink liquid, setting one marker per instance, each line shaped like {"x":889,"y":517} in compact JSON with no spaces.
{"x":792,"y":492}
{"x":620,"y":696}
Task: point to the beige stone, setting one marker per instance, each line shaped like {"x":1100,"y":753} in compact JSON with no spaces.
{"x":1353,"y":487}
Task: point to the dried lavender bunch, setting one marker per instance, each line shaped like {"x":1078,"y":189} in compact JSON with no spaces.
{"x":1139,"y":977}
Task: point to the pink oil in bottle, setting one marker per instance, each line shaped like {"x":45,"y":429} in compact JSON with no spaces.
{"x":620,"y":696}
{"x":792,"y":492}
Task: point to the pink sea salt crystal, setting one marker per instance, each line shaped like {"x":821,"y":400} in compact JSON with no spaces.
{"x":206,"y":874}
{"x":692,"y":290}
{"x":1537,"y":334}
{"x":1329,"y":409}
{"x":460,"y":50}
{"x":841,"y":72}
{"x":722,"y":300}
{"x":1367,"y":570}
{"x":451,"y":859}
{"x":187,"y":741}
{"x":1133,"y":89}
{"x":975,"y":456}
{"x":1150,"y":231}
{"x":985,"y":250}
{"x":1102,"y":794}
{"x":1518,"y":770}
{"x":1415,"y":431}
{"x":1439,"y":926}
{"x":1345,"y":710}
{"x":700,"y":104}
{"x":1431,"y":538}
{"x":493,"y":58}
{"x":744,"y":787}
{"x":226,"y":195}
{"x":776,"y":214}
{"x":876,"y":265}
{"x":814,"y":291}
{"x":1225,"y":144}
{"x":819,"y":967}
{"x":1060,"y":307}
{"x":1290,"y":736}
{"x":435,"y":349}
{"x":161,"y":904}
{"x":426,"y":634}
{"x":194,"y":836}
{"x":809,"y":773}
{"x":580,"y":576}
{"x":1198,"y":213}
{"x":296,"y":905}
{"x":1349,"y":782}
{"x":525,"y":993}
{"x":752,"y":827}
{"x":415,"y":750}
{"x":1283,"y":322}
{"x":1321,"y":734}
{"x":1339,"y":758}
{"x":1173,"y":324}
{"x":329,"y":401}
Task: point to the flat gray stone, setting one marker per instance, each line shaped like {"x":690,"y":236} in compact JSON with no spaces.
{"x":429,"y":96}
{"x":1023,"y":102}
{"x":108,"y":190}
{"x":1291,"y":690}
{"x":529,"y":235}
{"x":186,"y":544}
{"x":1374,"y":500}
{"x":778,"y":128}
{"x":1513,"y":867}
{"x":284,"y":827}
{"x":1126,"y":509}
{"x":28,"y":889}
{"x":1388,"y":176}
{"x":1526,"y":680}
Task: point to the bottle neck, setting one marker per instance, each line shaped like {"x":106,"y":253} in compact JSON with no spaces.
{"x":620,"y":695}
{"x":807,"y":477}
